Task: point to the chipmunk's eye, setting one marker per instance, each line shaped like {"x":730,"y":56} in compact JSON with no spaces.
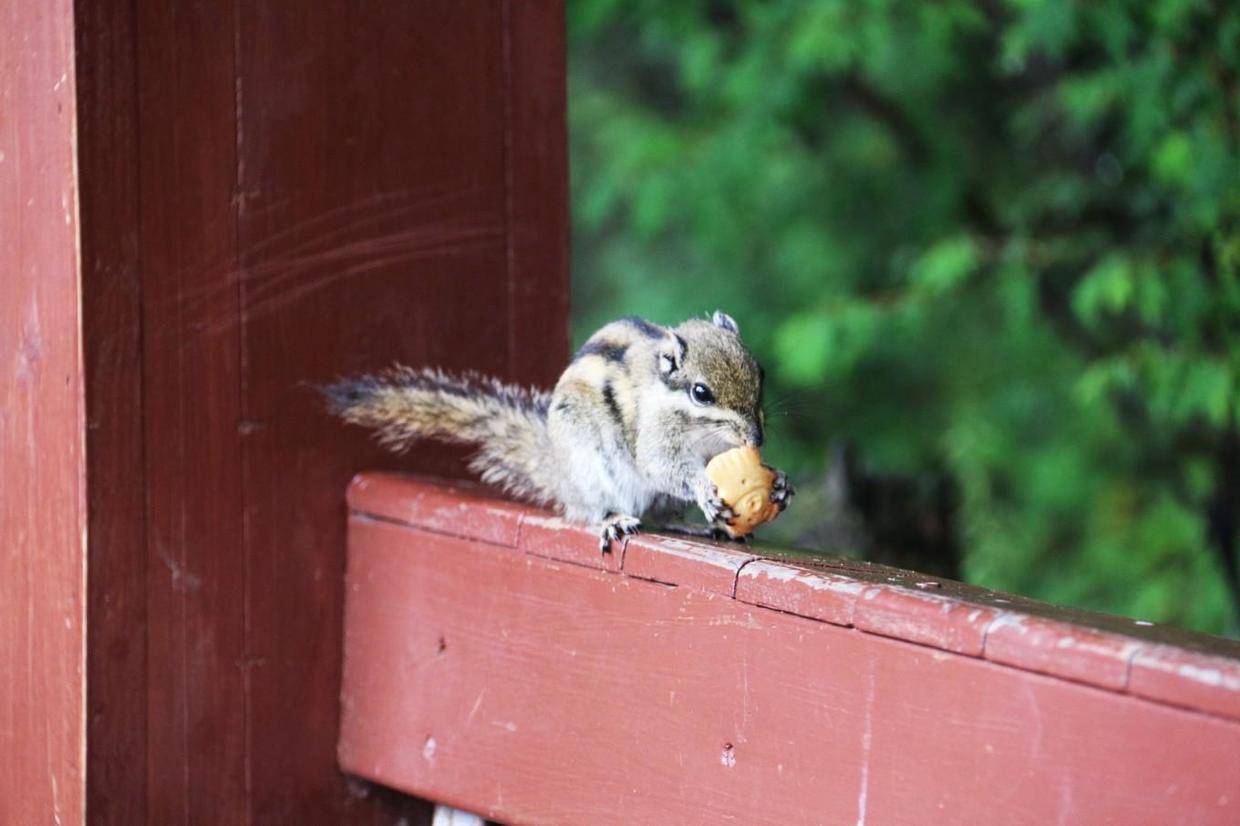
{"x":701,"y":394}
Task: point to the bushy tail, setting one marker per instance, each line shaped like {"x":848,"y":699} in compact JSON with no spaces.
{"x":508,"y":423}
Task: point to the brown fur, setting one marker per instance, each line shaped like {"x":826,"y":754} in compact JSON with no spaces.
{"x":508,"y":423}
{"x":629,"y":426}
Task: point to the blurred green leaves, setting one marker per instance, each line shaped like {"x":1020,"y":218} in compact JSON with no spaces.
{"x":944,"y":266}
{"x":999,"y":240}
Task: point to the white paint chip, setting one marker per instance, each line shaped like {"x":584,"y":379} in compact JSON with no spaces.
{"x":1209,"y":676}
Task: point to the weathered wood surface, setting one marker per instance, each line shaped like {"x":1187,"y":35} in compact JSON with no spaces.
{"x":388,"y":176}
{"x":495,"y":661}
{"x":277,"y":194}
{"x":196,"y":692}
{"x":108,"y":169}
{"x":42,"y":475}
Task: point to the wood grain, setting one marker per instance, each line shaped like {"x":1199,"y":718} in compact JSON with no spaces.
{"x":372,"y":230}
{"x":277,"y":194}
{"x":108,"y":163}
{"x":43,"y":489}
{"x":536,"y":690}
{"x":273,"y":195}
{"x":196,"y":690}
{"x":536,"y":149}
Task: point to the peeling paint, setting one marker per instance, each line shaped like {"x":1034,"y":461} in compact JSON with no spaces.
{"x":1212,"y":677}
{"x":697,"y":553}
{"x":779,"y":573}
{"x":749,"y":621}
{"x":810,"y":579}
{"x":1014,"y":621}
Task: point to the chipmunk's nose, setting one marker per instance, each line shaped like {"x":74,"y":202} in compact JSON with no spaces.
{"x":755,"y":436}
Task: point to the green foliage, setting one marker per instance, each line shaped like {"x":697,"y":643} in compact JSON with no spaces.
{"x":1000,"y":238}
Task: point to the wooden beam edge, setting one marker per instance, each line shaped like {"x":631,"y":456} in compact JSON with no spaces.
{"x":1160,"y":664}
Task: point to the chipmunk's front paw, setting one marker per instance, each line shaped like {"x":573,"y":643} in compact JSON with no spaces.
{"x":781,"y":489}
{"x":615,"y":526}
{"x":713,"y":508}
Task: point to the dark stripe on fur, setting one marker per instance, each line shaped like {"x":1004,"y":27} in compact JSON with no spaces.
{"x":613,"y":408}
{"x":471,"y":385}
{"x":609,"y":398}
{"x":608,"y":350}
{"x":643,"y":326}
{"x":672,"y":383}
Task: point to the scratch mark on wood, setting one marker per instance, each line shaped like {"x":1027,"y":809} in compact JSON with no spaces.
{"x":477,"y":705}
{"x":1036,"y":709}
{"x":1065,"y":801}
{"x":745,"y":688}
{"x":867,"y":737}
{"x":182,"y":580}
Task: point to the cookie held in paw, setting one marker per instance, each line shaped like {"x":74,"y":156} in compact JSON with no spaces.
{"x":744,"y":484}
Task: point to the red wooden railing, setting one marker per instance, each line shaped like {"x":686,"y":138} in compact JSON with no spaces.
{"x":495,"y":661}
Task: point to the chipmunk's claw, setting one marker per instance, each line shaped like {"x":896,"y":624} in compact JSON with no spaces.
{"x":781,"y":490}
{"x":614,"y":527}
{"x":714,"y":508}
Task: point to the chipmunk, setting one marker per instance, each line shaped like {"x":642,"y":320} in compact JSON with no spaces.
{"x":626,"y":432}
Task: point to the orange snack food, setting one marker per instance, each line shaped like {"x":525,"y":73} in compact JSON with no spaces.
{"x":744,"y":484}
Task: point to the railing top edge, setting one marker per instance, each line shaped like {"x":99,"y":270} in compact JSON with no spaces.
{"x":1157,"y":662}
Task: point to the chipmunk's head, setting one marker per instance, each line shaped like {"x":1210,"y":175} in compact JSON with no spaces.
{"x":712,"y":386}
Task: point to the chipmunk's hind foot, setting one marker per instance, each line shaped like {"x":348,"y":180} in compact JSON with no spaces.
{"x":614,"y":527}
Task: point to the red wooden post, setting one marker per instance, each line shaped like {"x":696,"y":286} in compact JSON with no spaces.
{"x":116,"y":652}
{"x":272,"y":195}
{"x":43,"y":482}
{"x":494,"y":660}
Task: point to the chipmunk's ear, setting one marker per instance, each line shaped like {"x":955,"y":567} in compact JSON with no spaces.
{"x":671,"y":353}
{"x":722,"y":319}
